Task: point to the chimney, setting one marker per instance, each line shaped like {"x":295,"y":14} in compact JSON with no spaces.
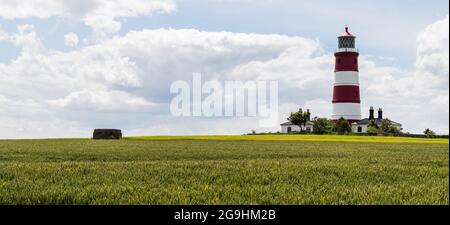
{"x":380,"y":113}
{"x":372,"y":113}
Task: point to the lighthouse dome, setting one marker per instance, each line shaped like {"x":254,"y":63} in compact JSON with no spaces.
{"x":347,"y":33}
{"x":347,"y":40}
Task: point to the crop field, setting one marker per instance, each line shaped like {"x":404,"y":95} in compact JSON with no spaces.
{"x":277,"y":169}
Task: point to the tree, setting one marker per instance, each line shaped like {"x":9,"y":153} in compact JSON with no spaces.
{"x":322,"y":126}
{"x":342,"y":126}
{"x":299,"y":118}
{"x":395,"y":131}
{"x":388,"y":128}
{"x":385,"y":126}
{"x":429,"y":133}
{"x":372,"y":128}
{"x":372,"y":123}
{"x":372,"y":131}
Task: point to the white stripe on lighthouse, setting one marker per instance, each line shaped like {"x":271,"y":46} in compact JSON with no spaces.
{"x":347,"y":50}
{"x":350,"y":111}
{"x":346,"y":78}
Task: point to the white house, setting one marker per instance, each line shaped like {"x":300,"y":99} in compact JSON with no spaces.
{"x":288,"y":127}
{"x":360,"y":126}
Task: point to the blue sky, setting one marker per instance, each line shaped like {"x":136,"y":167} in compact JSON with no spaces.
{"x":134,"y":49}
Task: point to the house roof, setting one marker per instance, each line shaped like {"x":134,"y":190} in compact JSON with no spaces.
{"x":291,"y":124}
{"x":366,"y":121}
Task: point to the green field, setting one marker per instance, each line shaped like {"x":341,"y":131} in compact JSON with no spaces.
{"x":277,"y":169}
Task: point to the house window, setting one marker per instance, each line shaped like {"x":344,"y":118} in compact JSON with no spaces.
{"x":359,"y":129}
{"x":308,"y":129}
{"x":289,"y":129}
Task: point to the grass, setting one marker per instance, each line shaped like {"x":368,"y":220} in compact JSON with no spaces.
{"x":226,"y":170}
{"x":312,"y":138}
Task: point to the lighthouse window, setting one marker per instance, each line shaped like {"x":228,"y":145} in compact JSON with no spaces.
{"x":346,"y":42}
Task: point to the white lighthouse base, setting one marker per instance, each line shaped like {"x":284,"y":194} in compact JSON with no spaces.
{"x":349,"y":111}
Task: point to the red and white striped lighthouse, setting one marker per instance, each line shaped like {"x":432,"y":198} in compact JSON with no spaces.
{"x":346,"y":93}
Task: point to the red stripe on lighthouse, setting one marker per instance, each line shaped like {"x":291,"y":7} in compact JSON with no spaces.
{"x":346,"y":94}
{"x":346,"y":61}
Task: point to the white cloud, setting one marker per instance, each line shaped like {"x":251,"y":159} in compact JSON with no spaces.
{"x":101,"y":100}
{"x":101,"y":15}
{"x":128,"y":76}
{"x":103,"y":24}
{"x":71,"y":39}
{"x":26,"y":38}
{"x":124,"y":82}
{"x":419,"y":98}
{"x":433,"y":53}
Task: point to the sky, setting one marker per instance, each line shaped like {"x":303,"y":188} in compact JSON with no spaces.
{"x":69,"y":66}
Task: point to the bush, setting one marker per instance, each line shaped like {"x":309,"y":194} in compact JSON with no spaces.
{"x":394,"y":131}
{"x":322,"y":126}
{"x":429,"y":133}
{"x":342,"y":126}
{"x":372,"y":128}
{"x":385,"y":126}
{"x":372,"y":131}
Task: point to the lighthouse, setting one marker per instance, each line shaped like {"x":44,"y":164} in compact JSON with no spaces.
{"x":346,"y":93}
